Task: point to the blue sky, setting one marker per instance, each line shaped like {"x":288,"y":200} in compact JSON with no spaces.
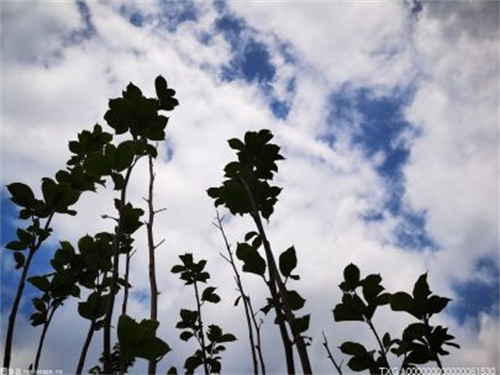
{"x":390,"y":131}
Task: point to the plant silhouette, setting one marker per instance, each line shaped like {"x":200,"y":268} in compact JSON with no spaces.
{"x":92,"y":271}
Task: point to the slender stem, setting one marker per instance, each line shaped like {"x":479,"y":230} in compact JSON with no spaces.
{"x":202,"y":332}
{"x":275,"y":278}
{"x":114,"y":279}
{"x":382,"y":349}
{"x":152,"y":266}
{"x":126,"y":288}
{"x":330,"y":356}
{"x":20,"y":289}
{"x":42,"y":337}
{"x":85,"y":348}
{"x":243,"y":296}
{"x":273,"y":284}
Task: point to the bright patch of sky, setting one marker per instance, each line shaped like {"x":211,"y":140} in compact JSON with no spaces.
{"x":389,"y":128}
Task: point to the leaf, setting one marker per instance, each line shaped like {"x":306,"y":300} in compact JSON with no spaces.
{"x":253,"y":262}
{"x":231,"y":170}
{"x":209,"y":295}
{"x":351,"y":276}
{"x":295,"y":299}
{"x":21,"y":194}
{"x":343,"y":313}
{"x":151,"y":348}
{"x":436,"y":304}
{"x":192,"y":363}
{"x":24,"y":236}
{"x":402,"y":301}
{"x":300,"y":325}
{"x":372,"y":288}
{"x":16,"y":246}
{"x":288,"y":261}
{"x":227,"y":337}
{"x":165,"y":95}
{"x":414,"y":331}
{"x":360,"y":363}
{"x":40,"y":305}
{"x":237,"y":301}
{"x":386,"y":340}
{"x":178,"y":269}
{"x":138,"y":340}
{"x":37,"y":319}
{"x":186,"y":335}
{"x":353,"y":348}
{"x":124,"y":156}
{"x":20,"y":259}
{"x":214,"y":333}
{"x":421,"y":290}
{"x":236,"y":144}
{"x":95,"y":307}
{"x":40,"y":282}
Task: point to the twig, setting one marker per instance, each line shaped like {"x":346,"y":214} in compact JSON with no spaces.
{"x":337,"y":366}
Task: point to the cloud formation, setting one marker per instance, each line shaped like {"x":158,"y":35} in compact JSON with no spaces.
{"x":315,"y":74}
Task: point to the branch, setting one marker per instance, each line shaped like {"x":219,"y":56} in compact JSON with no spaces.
{"x":337,"y":366}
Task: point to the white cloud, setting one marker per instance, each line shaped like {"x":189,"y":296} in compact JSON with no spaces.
{"x":451,"y":174}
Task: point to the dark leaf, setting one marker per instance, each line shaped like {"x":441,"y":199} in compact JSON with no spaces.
{"x":343,"y":313}
{"x":351,"y":276}
{"x":252,"y":260}
{"x":237,"y":301}
{"x":20,"y":259}
{"x":40,"y":282}
{"x":360,"y":363}
{"x":295,"y":299}
{"x":21,"y":194}
{"x":227,"y":337}
{"x":288,"y":261}
{"x":402,"y":301}
{"x":186,"y":335}
{"x":209,"y":295}
{"x":437,"y":304}
{"x":236,"y":144}
{"x":16,"y":246}
{"x":353,"y":348}
{"x":300,"y":325}
{"x":124,"y":156}
{"x":40,"y":305}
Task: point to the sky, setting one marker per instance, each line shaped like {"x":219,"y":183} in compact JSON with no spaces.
{"x":387,"y":115}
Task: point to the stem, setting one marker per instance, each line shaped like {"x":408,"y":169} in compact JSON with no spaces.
{"x":202,"y":333}
{"x":85,"y":348}
{"x":382,"y":349}
{"x":42,"y":337}
{"x":428,"y":330}
{"x":114,"y":280}
{"x":126,"y":288}
{"x":152,"y":266}
{"x":275,"y":278}
{"x":246,"y":301}
{"x":20,"y":289}
{"x":330,"y":356}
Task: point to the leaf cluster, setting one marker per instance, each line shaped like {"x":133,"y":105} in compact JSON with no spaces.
{"x":191,"y":323}
{"x":420,"y":343}
{"x":139,"y":339}
{"x":246,"y":188}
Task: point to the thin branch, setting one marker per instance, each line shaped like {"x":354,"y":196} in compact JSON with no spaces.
{"x":250,"y":316}
{"x":337,"y":366}
{"x":275,"y":278}
{"x":20,"y":289}
{"x":151,"y":249}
